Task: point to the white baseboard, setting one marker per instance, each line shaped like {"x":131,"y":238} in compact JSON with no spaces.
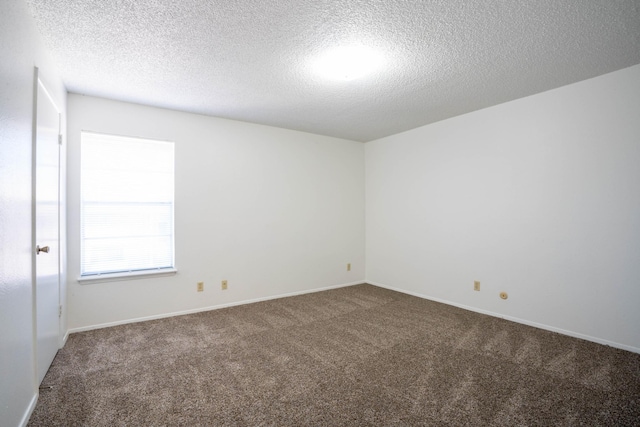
{"x":29,"y":411}
{"x":209,"y":308}
{"x":513,"y":319}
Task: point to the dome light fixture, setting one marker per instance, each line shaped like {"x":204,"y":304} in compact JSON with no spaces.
{"x":348,"y":62}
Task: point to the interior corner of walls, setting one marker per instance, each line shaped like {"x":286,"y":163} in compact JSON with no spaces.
{"x":64,"y":338}
{"x":29,"y":410}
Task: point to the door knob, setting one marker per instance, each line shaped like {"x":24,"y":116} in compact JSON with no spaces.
{"x":44,"y":249}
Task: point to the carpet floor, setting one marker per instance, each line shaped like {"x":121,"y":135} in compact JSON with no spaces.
{"x":360,"y":355}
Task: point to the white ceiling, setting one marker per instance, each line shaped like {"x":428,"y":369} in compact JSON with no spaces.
{"x":251,"y":60}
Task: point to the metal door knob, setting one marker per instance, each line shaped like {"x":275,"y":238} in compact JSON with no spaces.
{"x":44,"y":249}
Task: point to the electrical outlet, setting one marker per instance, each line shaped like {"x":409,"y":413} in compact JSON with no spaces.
{"x":200,"y":286}
{"x":476,"y":285}
{"x":224,"y":285}
{"x":349,"y":267}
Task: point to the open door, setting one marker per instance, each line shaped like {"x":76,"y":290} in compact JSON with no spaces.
{"x":46,"y":228}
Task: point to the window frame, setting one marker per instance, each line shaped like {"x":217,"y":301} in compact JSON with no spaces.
{"x":126,"y":274}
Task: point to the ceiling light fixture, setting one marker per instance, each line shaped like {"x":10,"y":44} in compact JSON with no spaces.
{"x":348,"y":62}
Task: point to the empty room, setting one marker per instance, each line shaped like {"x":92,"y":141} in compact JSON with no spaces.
{"x":293,"y":213}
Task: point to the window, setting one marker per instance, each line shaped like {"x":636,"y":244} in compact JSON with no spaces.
{"x":126,"y":205}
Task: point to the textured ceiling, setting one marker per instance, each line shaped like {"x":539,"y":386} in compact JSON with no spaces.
{"x":251,"y":60}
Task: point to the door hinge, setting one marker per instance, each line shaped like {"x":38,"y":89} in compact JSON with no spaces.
{"x":60,"y":139}
{"x":60,"y":311}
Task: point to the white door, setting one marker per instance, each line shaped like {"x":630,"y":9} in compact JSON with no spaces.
{"x":47,"y":261}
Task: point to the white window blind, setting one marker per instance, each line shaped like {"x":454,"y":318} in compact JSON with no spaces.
{"x":127,"y":187}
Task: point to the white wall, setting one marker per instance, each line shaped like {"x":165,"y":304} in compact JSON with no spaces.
{"x":272,"y":211}
{"x":539,"y":197}
{"x":20,"y":52}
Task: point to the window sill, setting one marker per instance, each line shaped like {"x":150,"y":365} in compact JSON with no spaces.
{"x":130,"y":275}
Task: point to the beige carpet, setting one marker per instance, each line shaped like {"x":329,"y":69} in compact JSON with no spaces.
{"x":360,"y":355}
